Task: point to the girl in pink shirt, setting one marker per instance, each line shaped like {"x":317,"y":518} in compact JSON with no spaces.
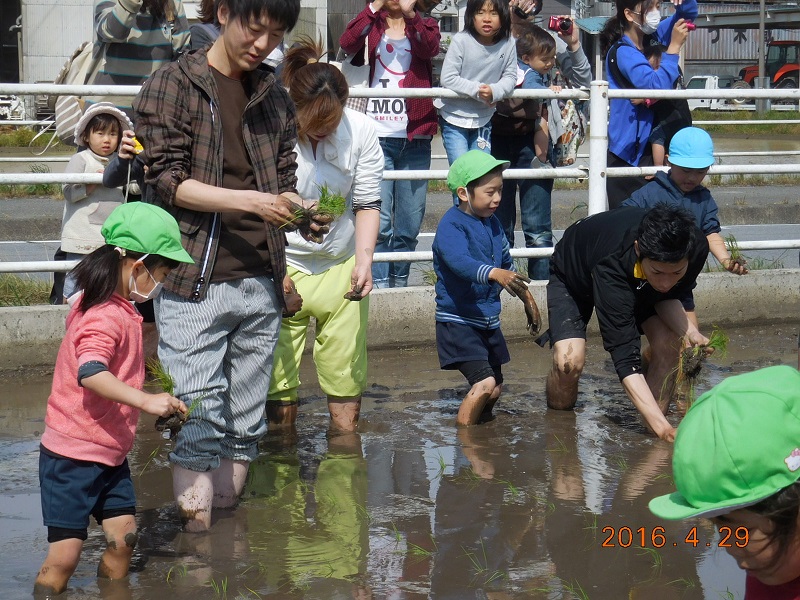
{"x":97,"y":394}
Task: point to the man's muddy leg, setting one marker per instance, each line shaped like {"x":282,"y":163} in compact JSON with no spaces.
{"x":665,"y":347}
{"x":569,"y":357}
{"x":194,"y":492}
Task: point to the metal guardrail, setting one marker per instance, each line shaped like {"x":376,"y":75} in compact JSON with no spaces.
{"x":598,"y":96}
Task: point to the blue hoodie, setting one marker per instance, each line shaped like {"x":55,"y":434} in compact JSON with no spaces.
{"x":465,"y":250}
{"x":629,"y":125}
{"x":699,"y":201}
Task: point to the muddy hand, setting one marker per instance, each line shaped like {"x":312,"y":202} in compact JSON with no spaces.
{"x":315,"y":227}
{"x":172,"y":423}
{"x":531,"y":312}
{"x":299,"y":217}
{"x":517,"y":285}
{"x":354,"y":294}
{"x":737,"y":266}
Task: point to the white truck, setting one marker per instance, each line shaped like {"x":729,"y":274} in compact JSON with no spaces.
{"x":710,"y":82}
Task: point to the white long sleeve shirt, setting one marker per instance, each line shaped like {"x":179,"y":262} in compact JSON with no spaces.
{"x":350,"y":162}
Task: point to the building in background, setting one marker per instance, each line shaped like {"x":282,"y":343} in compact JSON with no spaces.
{"x":723,"y":44}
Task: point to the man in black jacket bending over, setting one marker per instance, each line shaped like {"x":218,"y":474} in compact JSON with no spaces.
{"x":632,"y":266}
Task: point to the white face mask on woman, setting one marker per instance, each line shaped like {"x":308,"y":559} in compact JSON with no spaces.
{"x":651,"y":21}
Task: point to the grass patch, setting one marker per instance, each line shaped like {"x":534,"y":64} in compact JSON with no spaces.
{"x":23,"y":137}
{"x":23,"y":291}
{"x":746,"y":115}
{"x":39,"y":190}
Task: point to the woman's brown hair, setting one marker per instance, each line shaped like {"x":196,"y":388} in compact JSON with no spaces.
{"x":318,"y":89}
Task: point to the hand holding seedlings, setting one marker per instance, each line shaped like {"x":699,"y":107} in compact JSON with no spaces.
{"x":172,"y":422}
{"x":312,"y":222}
{"x":690,"y":361}
{"x":736,"y":266}
{"x":172,"y":417}
{"x":735,"y":263}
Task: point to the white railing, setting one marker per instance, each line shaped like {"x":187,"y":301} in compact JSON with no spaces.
{"x":598,"y":96}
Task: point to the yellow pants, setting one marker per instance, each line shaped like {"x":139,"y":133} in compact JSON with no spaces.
{"x":340,"y":346}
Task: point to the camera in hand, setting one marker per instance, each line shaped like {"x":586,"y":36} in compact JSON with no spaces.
{"x":560,"y":24}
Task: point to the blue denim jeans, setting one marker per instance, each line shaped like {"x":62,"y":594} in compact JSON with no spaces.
{"x":458,"y":140}
{"x":402,"y":207}
{"x":534,"y":201}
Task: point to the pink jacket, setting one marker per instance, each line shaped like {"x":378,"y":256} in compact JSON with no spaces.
{"x":79,"y":423}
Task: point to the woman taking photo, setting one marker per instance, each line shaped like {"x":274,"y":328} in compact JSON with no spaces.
{"x":636,"y":25}
{"x":401,"y":44}
{"x":338,"y":149}
{"x":136,"y":38}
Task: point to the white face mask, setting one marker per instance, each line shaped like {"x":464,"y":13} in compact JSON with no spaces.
{"x":651,"y":21}
{"x":137,"y":296}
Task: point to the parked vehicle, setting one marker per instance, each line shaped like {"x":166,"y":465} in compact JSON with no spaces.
{"x":780,"y":65}
{"x":708,"y":82}
{"x":11,"y":108}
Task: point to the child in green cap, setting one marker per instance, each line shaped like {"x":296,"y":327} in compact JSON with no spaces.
{"x":472,"y":261}
{"x":97,"y":394}
{"x":737,"y":462}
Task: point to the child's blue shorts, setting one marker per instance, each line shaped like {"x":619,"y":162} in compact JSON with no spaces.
{"x":72,"y":490}
{"x":457,"y":343}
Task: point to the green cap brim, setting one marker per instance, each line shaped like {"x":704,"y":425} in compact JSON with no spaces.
{"x":674,"y":507}
{"x":179,"y":255}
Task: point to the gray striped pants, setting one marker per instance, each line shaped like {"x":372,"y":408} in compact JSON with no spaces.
{"x":219,"y":352}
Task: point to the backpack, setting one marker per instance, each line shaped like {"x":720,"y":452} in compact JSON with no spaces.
{"x":81,"y":69}
{"x":574,"y":122}
{"x":672,"y":114}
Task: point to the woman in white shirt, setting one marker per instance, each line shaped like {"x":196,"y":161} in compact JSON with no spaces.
{"x":337,"y":148}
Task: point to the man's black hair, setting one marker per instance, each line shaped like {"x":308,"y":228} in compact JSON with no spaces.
{"x":667,"y":234}
{"x":285,"y":12}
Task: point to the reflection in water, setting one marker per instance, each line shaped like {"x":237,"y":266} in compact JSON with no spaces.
{"x":304,"y":529}
{"x":411,"y":507}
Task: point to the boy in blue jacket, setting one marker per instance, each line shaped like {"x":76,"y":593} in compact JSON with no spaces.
{"x":472,"y":261}
{"x":691,"y":153}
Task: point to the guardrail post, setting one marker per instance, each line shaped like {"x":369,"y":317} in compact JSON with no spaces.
{"x":598,"y":146}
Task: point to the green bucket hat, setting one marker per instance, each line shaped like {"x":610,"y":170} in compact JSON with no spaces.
{"x":737,"y":445}
{"x":470,"y":166}
{"x":145,"y":228}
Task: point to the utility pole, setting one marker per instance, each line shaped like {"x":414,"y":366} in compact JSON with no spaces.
{"x":762,"y":104}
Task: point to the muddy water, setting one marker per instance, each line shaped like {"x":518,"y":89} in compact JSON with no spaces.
{"x":410,"y":507}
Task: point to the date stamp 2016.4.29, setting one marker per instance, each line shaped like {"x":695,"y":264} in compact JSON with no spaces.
{"x":657,"y":537}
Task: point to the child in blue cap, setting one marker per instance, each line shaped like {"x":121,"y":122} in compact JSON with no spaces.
{"x":691,"y":153}
{"x":472,"y":261}
{"x":97,"y":395}
{"x":737,"y":462}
